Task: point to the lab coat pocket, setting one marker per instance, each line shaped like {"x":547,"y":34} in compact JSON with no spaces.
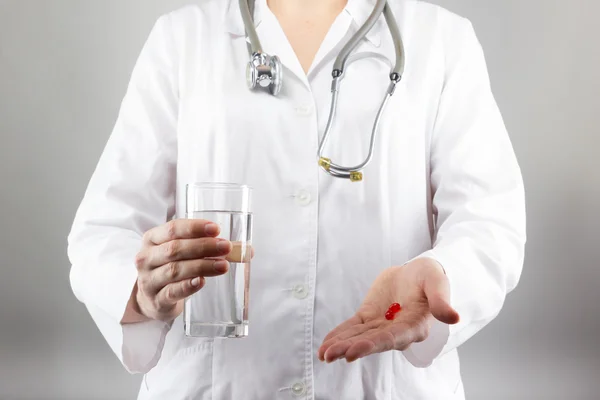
{"x":187,"y":374}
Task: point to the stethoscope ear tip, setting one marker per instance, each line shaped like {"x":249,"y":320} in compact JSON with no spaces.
{"x":356,"y":176}
{"x":325,"y":163}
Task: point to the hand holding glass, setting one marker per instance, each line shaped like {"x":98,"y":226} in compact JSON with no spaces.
{"x":220,"y":309}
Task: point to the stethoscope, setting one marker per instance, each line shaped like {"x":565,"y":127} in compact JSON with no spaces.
{"x":265,"y":71}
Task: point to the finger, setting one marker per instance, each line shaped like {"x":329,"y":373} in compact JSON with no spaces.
{"x":181,"y":229}
{"x":377,"y":341}
{"x":240,"y":252}
{"x":340,"y":328}
{"x":341,"y":348}
{"x":360,"y":349}
{"x":437,"y":291}
{"x":349,"y":333}
{"x":175,"y":292}
{"x":397,"y":336}
{"x":355,"y":320}
{"x":187,"y":249}
{"x":337,"y":351}
{"x":177,"y":271}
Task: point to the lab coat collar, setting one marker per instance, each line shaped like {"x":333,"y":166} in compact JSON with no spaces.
{"x":359,"y":11}
{"x":234,"y":23}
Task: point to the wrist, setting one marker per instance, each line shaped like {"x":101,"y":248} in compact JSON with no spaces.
{"x":421,"y":268}
{"x":133,"y":312}
{"x":430,"y":263}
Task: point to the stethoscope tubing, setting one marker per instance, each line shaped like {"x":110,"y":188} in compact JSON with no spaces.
{"x":382,"y":7}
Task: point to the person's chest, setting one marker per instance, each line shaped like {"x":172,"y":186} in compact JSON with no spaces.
{"x":228,"y":132}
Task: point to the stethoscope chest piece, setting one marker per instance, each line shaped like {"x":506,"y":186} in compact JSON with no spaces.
{"x":264,"y":71}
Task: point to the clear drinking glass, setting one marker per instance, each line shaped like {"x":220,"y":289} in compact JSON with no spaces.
{"x":220,"y":308}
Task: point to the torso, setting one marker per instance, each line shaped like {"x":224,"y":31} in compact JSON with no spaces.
{"x":311,"y":231}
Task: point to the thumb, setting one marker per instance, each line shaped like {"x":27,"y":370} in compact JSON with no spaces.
{"x":437,"y":291}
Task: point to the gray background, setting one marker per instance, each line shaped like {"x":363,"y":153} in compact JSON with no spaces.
{"x":64,"y":66}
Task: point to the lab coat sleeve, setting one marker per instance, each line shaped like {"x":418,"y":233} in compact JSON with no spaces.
{"x":477,"y":199}
{"x":131,"y":190}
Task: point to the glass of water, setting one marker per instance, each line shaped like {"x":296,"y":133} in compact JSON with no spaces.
{"x":220,"y":308}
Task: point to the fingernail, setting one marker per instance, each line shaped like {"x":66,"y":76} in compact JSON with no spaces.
{"x":223,"y":245}
{"x":211,"y":229}
{"x":196,"y":282}
{"x":221,"y":266}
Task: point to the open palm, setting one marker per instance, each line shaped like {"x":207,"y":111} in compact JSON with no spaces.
{"x":421,"y":288}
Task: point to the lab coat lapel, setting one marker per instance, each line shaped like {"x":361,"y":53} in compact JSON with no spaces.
{"x":333,"y":42}
{"x":375,"y":44}
{"x":271,"y":36}
{"x":275,"y":42}
{"x":378,"y":42}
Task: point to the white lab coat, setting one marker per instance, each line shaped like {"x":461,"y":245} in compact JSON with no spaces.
{"x":444,"y":183}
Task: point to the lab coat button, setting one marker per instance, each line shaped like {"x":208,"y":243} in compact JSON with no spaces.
{"x":303,"y":198}
{"x":300,"y":292}
{"x":298,"y":389}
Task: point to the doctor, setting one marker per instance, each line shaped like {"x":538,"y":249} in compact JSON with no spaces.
{"x":437,"y":221}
